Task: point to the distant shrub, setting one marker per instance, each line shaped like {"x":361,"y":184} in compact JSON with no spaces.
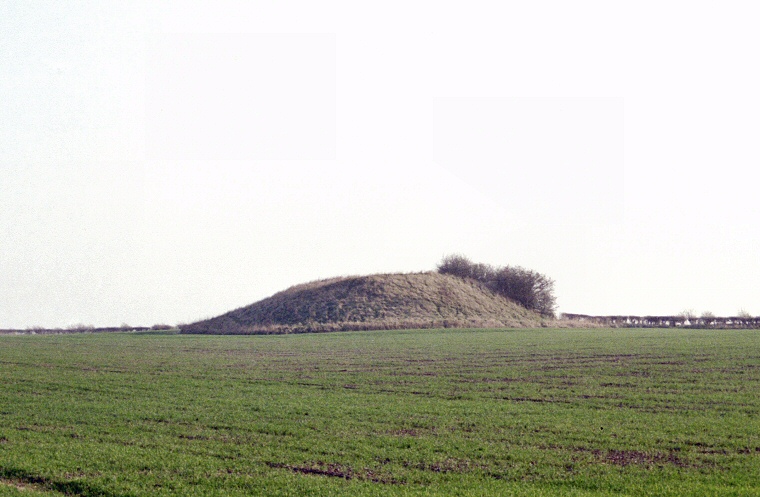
{"x":161,"y":327}
{"x":80,"y":327}
{"x":531,"y":289}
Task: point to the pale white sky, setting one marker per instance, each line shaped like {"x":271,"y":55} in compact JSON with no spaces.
{"x":169,"y":161}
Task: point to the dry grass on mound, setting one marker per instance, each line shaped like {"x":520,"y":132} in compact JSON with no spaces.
{"x":387,"y":301}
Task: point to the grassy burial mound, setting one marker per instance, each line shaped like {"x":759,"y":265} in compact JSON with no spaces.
{"x":381,"y":301}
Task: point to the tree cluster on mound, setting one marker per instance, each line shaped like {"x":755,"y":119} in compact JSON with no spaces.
{"x":530,"y":289}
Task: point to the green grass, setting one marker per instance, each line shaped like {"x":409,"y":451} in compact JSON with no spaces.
{"x":443,"y":412}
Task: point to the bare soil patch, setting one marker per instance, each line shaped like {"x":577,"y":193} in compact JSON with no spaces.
{"x":624,"y":458}
{"x":335,"y":470}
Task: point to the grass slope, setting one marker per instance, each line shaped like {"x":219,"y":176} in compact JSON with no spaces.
{"x":382,"y":301}
{"x":391,"y":413}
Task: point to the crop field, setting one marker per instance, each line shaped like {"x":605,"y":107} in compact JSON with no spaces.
{"x":439,"y":412}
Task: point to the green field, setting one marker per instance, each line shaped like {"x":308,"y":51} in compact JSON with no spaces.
{"x":444,"y":412}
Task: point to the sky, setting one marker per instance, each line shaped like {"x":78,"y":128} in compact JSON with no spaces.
{"x":164,"y":162}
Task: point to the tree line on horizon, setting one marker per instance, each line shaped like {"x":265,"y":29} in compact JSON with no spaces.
{"x":528,"y":288}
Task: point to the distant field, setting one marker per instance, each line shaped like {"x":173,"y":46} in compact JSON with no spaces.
{"x":442,"y":412}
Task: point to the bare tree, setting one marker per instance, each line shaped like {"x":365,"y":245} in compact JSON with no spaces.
{"x":743,"y":314}
{"x":687,"y":314}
